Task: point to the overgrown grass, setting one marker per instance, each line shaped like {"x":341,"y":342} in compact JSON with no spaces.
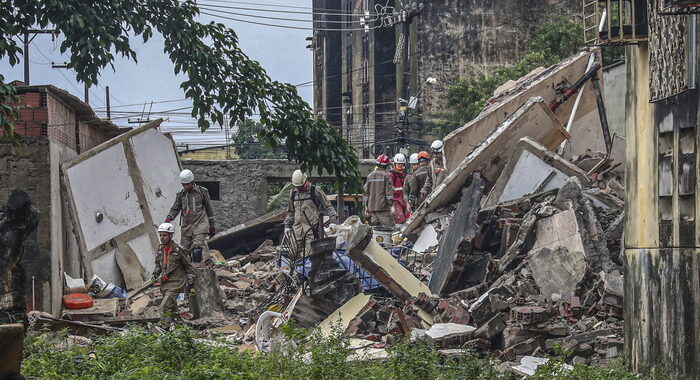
{"x":139,"y":354}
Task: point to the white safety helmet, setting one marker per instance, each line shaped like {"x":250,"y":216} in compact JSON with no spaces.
{"x":400,"y":158}
{"x":298,"y":178}
{"x":436,"y":146}
{"x":186,"y":176}
{"x":413,"y":159}
{"x":166,"y":227}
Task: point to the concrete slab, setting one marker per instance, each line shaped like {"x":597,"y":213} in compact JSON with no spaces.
{"x":461,"y":142}
{"x":456,"y":243}
{"x":533,"y":119}
{"x":445,"y":334}
{"x":118,"y":192}
{"x":557,"y":271}
{"x":426,"y":239}
{"x":398,"y":280}
{"x":532,"y":169}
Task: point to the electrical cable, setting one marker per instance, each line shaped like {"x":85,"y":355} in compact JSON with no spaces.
{"x":279,"y":18}
{"x":313,"y":12}
{"x":277,"y":25}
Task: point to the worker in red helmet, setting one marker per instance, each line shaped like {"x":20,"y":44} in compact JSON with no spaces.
{"x":378,"y":199}
{"x":398,"y":177}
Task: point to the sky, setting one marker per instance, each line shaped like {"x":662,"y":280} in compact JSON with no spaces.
{"x":281,"y":52}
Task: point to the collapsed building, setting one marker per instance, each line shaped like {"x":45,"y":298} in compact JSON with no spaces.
{"x":515,"y":253}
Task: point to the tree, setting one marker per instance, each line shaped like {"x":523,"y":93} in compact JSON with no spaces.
{"x":248,"y":145}
{"x":221,"y":79}
{"x":552,"y":42}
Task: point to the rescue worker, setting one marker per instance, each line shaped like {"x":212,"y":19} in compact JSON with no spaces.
{"x":413,"y":187}
{"x":398,"y":178}
{"x":193,"y":205}
{"x":307,"y":204}
{"x":436,"y":169}
{"x":173,"y":270}
{"x":378,"y":199}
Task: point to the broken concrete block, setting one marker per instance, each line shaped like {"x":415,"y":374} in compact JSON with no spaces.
{"x":342,"y":317}
{"x":486,"y":307}
{"x":490,"y":329}
{"x":524,"y":348}
{"x":140,"y":304}
{"x":456,"y":244}
{"x":446,"y":335}
{"x":382,"y":266}
{"x":427,"y":239}
{"x":557,"y":270}
{"x":533,"y":119}
{"x":532,"y":169}
{"x":529,"y":315}
{"x":529,"y":364}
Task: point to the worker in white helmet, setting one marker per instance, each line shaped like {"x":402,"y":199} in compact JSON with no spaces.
{"x":307,"y":205}
{"x":193,"y":205}
{"x":398,"y":178}
{"x":436,"y":169}
{"x":173,"y":270}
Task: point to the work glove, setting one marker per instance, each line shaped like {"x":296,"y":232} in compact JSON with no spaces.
{"x":212,"y":232}
{"x":155,"y":277}
{"x":190,"y":279}
{"x":333,"y":219}
{"x":168,"y":219}
{"x":423,"y":194}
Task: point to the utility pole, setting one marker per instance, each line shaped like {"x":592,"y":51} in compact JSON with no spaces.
{"x":109,"y":111}
{"x":26,"y":41}
{"x":86,"y":91}
{"x":404,"y":17}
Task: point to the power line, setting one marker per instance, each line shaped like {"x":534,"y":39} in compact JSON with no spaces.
{"x":314,"y":11}
{"x":277,"y":25}
{"x":277,"y":18}
{"x":334,"y":12}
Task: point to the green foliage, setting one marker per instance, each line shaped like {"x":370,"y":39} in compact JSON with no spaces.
{"x":221,"y":79}
{"x":138,"y":354}
{"x":553,"y":41}
{"x":7,"y":112}
{"x":249,"y":146}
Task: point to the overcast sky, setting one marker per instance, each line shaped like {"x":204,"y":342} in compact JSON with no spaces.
{"x":281,"y":51}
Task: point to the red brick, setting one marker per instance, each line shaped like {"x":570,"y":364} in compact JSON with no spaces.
{"x":41,"y":114}
{"x":26,"y":114}
{"x":32,"y":99}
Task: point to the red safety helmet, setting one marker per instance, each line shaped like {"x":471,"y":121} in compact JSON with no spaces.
{"x":382,"y":160}
{"x":423,"y":156}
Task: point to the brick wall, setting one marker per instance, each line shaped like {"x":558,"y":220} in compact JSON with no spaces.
{"x":29,"y":170}
{"x":44,"y":114}
{"x":62,"y":125}
{"x":91,"y":137}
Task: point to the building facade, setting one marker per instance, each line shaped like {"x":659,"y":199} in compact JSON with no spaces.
{"x":368,"y":54}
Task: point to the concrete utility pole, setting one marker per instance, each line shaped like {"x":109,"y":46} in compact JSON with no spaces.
{"x":26,"y":41}
{"x":404,"y":18}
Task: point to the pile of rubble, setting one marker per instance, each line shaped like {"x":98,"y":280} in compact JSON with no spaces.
{"x":515,"y":255}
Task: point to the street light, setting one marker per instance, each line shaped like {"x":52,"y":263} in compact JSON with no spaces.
{"x":413,"y":101}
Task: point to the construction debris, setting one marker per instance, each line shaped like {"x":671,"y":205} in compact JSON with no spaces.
{"x":514,"y":254}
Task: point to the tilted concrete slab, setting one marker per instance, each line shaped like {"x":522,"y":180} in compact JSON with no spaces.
{"x":532,"y":169}
{"x":118,"y":193}
{"x":461,"y":142}
{"x":533,"y":119}
{"x":382,"y":266}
